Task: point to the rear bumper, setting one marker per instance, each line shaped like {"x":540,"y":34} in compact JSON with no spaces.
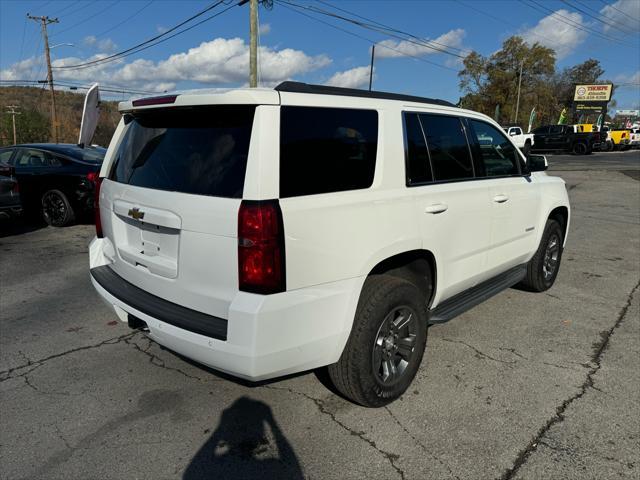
{"x":266,"y":335}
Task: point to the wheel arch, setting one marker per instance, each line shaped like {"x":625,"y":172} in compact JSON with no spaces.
{"x":418,"y":267}
{"x":561,"y":215}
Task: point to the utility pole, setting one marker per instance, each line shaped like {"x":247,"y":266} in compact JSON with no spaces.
{"x":373,"y":53}
{"x":253,"y":43}
{"x":44,"y":21}
{"x":515,"y":118}
{"x":12,"y":111}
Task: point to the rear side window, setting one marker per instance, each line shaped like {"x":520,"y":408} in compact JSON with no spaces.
{"x":33,"y":158}
{"x":498,"y":155}
{"x":448,"y":148}
{"x":5,"y":156}
{"x":201,"y":150}
{"x":326,"y":150}
{"x":416,"y":154}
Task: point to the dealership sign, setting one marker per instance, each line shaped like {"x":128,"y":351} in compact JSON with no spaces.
{"x":592,"y":93}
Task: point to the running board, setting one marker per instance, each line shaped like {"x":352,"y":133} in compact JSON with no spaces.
{"x":468,"y":299}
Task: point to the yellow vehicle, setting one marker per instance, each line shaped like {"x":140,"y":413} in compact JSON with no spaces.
{"x":619,"y":139}
{"x":586,"y":128}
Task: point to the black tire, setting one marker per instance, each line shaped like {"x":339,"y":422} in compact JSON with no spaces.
{"x":56,"y":209}
{"x":580,"y":148}
{"x":527,"y":148}
{"x":542,"y":269}
{"x":372,"y":348}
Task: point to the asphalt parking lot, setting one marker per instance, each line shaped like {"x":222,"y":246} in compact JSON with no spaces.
{"x":525,"y":386}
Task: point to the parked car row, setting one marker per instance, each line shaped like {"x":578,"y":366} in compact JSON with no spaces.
{"x":55,"y":181}
{"x":581,"y":139}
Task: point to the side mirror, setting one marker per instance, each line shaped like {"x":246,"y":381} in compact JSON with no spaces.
{"x":537,"y":163}
{"x":512,"y":133}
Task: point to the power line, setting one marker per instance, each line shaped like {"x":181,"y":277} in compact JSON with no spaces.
{"x":507,"y":22}
{"x":629,"y":19}
{"x":146,"y":43}
{"x":362,"y":37}
{"x":64,"y":9}
{"x":618,"y":10}
{"x":567,"y":21}
{"x":70,"y":84}
{"x":167,"y":38}
{"x":125,"y":20}
{"x":392,"y":29}
{"x":81,"y":22}
{"x":388,"y":31}
{"x":79,"y":9}
{"x":612,"y":25}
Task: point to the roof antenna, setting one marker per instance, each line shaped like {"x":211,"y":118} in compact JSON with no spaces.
{"x":373,"y":52}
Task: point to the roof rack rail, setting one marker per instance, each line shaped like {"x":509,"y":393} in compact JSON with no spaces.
{"x":300,"y":87}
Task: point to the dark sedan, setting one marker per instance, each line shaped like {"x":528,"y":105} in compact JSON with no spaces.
{"x":9,"y":193}
{"x":56,"y":179}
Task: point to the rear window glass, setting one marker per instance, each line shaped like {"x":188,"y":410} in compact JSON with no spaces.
{"x":326,"y":150}
{"x":448,"y":148}
{"x":201,"y":150}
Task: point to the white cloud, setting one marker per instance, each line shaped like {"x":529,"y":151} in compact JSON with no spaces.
{"x":556,"y":32}
{"x":623,"y":12}
{"x":264,"y":28}
{"x":218,"y":62}
{"x":107,"y":45}
{"x":89,"y":41}
{"x":104,"y":45}
{"x":161,"y":29}
{"x":357,"y":77}
{"x":405,"y":48}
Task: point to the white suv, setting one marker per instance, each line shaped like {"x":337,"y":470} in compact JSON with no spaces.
{"x":265,"y":232}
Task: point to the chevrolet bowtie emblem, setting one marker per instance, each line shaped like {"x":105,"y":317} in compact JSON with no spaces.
{"x":136,"y":213}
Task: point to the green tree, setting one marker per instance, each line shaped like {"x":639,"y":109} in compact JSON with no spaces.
{"x":586,"y":72}
{"x":487,"y":82}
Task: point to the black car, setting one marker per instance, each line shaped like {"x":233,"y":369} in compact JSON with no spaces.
{"x":564,"y":138}
{"x":56,"y":179}
{"x":9,"y":193}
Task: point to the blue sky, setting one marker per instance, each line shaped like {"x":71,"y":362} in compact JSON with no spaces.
{"x":293,"y":46}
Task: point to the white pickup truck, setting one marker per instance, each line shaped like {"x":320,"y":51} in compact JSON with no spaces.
{"x":524,"y":141}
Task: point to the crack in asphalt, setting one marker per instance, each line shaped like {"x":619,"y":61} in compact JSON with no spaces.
{"x":421,"y":445}
{"x":479,"y":353}
{"x":8,"y":374}
{"x":390,"y":457}
{"x":156,"y":360}
{"x":596,"y":359}
{"x":513,"y":350}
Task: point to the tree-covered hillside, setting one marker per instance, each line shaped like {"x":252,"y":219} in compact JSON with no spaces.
{"x":34,"y":122}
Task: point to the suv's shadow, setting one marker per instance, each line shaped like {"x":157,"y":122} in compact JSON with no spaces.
{"x":19,"y":225}
{"x":247,"y":444}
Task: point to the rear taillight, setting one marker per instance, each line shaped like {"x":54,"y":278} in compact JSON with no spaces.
{"x":261,"y":267}
{"x":93,"y":176}
{"x":96,"y":206}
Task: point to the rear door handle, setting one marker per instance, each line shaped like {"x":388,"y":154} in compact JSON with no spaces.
{"x":500,"y":198}
{"x":436,"y":208}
